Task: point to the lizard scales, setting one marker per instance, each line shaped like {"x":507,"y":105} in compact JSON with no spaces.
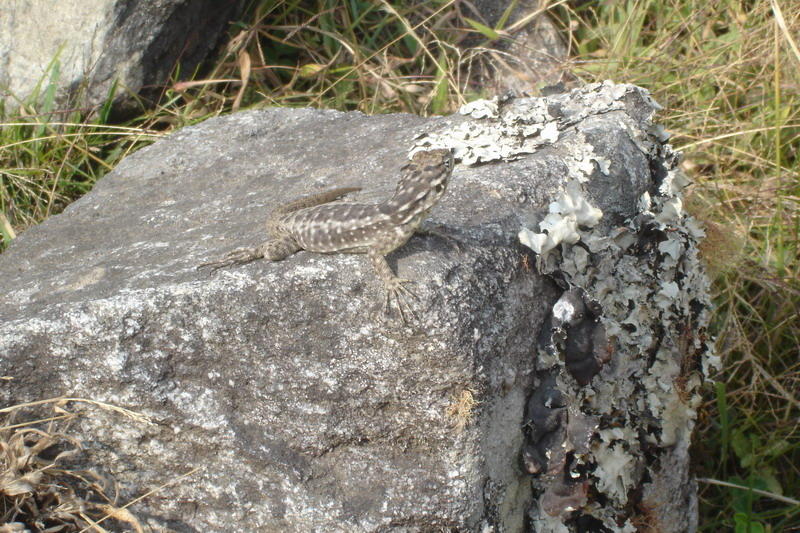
{"x":315,"y":224}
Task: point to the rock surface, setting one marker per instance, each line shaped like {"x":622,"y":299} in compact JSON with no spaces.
{"x":304,"y":408}
{"x":84,"y":46}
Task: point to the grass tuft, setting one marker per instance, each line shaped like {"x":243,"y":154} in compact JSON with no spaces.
{"x":49,"y":158}
{"x":40,"y":487}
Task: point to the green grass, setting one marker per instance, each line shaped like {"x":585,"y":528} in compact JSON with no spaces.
{"x":727,"y":73}
{"x":50,"y":157}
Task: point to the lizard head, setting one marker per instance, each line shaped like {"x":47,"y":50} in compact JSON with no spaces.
{"x":423,"y":182}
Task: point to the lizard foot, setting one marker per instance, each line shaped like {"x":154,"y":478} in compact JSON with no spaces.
{"x":236,"y":257}
{"x":396,"y":289}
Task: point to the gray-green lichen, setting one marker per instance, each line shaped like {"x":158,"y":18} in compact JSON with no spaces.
{"x":620,"y":367}
{"x":638,"y":301}
{"x":505,"y":128}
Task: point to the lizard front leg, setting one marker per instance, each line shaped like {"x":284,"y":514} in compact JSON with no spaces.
{"x":394,"y":285}
{"x":274,"y":250}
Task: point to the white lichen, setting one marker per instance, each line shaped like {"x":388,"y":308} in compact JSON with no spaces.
{"x":480,"y":108}
{"x":646,"y":278}
{"x":566,"y":215}
{"x":615,"y":463}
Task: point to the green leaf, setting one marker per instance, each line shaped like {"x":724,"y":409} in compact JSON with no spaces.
{"x":742,"y":498}
{"x":747,"y":446}
{"x":411,"y":43}
{"x":504,"y":17}
{"x":49,"y":99}
{"x":745,"y":524}
{"x":487,"y":32}
{"x":724,"y":419}
{"x":740,"y":444}
{"x":769,"y":479}
{"x":309,"y":70}
{"x":439,"y":101}
{"x":109,"y":102}
{"x":777,"y":448}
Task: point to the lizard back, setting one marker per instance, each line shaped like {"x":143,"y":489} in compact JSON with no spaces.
{"x":338,"y":227}
{"x":352,"y":227}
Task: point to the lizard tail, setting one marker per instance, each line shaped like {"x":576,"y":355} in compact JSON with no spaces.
{"x":314,"y":199}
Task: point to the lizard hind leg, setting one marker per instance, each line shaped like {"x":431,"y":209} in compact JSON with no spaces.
{"x":274,"y":250}
{"x":278,"y":249}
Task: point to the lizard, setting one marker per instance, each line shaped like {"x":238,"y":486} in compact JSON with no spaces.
{"x":317,"y":223}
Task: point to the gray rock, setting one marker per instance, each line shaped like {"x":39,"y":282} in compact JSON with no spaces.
{"x":307,"y":410}
{"x":97,"y":42}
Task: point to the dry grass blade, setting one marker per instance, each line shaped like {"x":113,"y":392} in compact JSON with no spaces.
{"x":777,"y":497}
{"x":62,"y":400}
{"x":122,"y":515}
{"x":147,"y":495}
{"x":6,"y":227}
{"x":776,"y":9}
{"x":525,"y":20}
{"x":244,"y":74}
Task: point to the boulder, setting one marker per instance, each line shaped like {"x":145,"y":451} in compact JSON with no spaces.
{"x":85,"y":47}
{"x":547,"y":381}
{"x":532,"y":55}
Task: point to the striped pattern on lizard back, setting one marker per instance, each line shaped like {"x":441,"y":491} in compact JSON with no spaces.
{"x":349,"y":227}
{"x":318,"y":224}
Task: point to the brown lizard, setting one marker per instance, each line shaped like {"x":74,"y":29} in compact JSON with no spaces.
{"x":315,"y":224}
